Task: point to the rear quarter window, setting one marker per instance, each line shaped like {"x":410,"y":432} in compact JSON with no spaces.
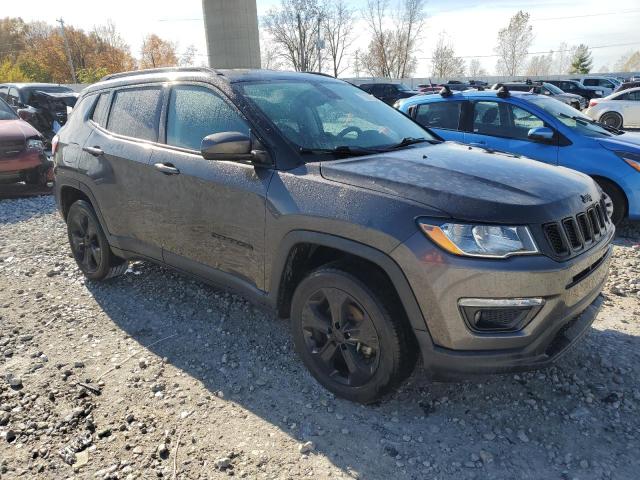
{"x":136,"y":113}
{"x":439,"y":115}
{"x":101,"y":109}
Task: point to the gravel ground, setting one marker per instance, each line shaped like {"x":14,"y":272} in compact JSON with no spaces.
{"x":153,"y":375}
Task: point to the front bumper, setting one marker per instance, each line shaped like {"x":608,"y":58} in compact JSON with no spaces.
{"x":22,"y":162}
{"x":450,"y":348}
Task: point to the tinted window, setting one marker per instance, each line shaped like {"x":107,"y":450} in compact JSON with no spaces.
{"x":504,"y":120}
{"x":3,"y":92}
{"x":13,"y":98}
{"x":590,"y":82}
{"x":486,"y":118}
{"x":521,"y":121}
{"x":100,"y":111}
{"x":135,"y":113}
{"x":195,"y":112}
{"x":6,"y":112}
{"x":439,"y":115}
{"x":635,"y":96}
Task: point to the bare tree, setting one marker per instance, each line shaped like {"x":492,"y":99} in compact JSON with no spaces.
{"x":475,"y":68}
{"x":338,"y":33}
{"x":293,"y":28}
{"x":562,"y":59}
{"x":391,"y":51}
{"x":444,"y":62}
{"x":269,"y":55}
{"x":540,"y":65}
{"x":513,"y":44}
{"x":188,"y":57}
{"x":630,"y":62}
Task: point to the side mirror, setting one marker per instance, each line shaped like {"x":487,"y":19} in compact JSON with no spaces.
{"x":234,"y":146}
{"x":541,"y":134}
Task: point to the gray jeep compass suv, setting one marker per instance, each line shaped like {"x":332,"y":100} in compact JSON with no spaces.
{"x":377,"y":239}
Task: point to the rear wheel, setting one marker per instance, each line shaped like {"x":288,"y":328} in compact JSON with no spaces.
{"x":612,"y":119}
{"x":615,"y":201}
{"x":89,"y":244}
{"x":348,"y":337}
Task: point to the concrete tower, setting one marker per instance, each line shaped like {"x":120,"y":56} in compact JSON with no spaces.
{"x":231,"y":27}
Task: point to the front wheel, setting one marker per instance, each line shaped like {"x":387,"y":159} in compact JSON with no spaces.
{"x":615,"y":201}
{"x":347,"y":336}
{"x":89,"y":244}
{"x":612,"y":119}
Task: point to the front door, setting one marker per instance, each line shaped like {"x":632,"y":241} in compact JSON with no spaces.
{"x":503,"y":126}
{"x":211,"y":213}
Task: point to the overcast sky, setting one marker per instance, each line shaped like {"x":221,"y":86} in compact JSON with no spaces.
{"x":471,"y":25}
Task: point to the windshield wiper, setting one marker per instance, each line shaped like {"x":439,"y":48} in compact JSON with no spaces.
{"x":588,"y":121}
{"x":409,"y":141}
{"x":341,"y":150}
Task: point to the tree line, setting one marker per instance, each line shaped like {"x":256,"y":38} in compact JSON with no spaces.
{"x":38,"y":52}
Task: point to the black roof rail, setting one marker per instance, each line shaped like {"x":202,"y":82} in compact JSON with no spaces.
{"x":503,"y":92}
{"x":133,"y":73}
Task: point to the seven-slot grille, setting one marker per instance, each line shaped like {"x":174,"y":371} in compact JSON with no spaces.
{"x":11,"y":147}
{"x":574,"y":234}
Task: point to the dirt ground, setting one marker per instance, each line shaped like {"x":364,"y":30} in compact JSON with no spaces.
{"x":154,"y":375}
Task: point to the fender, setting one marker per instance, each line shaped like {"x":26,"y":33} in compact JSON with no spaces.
{"x":377,"y":257}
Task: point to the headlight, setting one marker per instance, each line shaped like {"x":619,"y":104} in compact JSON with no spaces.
{"x":599,"y":92}
{"x":489,"y":241}
{"x":35,"y":144}
{"x":632,"y":159}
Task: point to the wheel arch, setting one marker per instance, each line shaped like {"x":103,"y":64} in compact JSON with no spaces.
{"x":302,"y":251}
{"x":615,"y":184}
{"x":68,"y":193}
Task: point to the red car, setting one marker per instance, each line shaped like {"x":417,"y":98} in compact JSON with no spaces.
{"x":22,"y":155}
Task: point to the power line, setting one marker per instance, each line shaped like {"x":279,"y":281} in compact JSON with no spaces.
{"x":586,"y":15}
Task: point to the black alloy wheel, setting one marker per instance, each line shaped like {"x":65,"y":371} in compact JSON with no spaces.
{"x":351,"y":332}
{"x":89,"y":245}
{"x":341,"y":337}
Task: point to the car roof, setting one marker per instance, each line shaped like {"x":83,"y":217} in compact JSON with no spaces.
{"x":227,"y":76}
{"x":21,"y":85}
{"x":466,"y":94}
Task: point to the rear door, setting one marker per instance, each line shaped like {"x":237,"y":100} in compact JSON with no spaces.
{"x":117,"y":164}
{"x":210,"y":213}
{"x":443,"y":117}
{"x":505,"y":126}
{"x":630,"y":103}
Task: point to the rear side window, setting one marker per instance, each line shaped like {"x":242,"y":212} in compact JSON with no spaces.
{"x":136,"y":113}
{"x":99,"y":115}
{"x":439,"y":115}
{"x":3,"y":92}
{"x":195,"y":112}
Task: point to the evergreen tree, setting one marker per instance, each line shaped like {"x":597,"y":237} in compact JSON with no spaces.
{"x":581,"y":61}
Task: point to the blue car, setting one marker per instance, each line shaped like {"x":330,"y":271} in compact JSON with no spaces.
{"x":540,"y":128}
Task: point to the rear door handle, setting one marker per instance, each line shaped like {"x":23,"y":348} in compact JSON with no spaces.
{"x":478,"y":144}
{"x":95,"y":151}
{"x":167,"y":169}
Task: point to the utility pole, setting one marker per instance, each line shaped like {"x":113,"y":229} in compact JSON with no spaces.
{"x":319,"y":46}
{"x":66,"y":46}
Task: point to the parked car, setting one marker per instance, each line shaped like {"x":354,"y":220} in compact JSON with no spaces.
{"x":376,"y":239}
{"x":576,"y":101}
{"x":606,"y":84}
{"x":576,"y":88}
{"x":389,"y":93}
{"x":620,"y":109}
{"x":543,"y":129}
{"x":429,"y":88}
{"x":45,"y":106}
{"x":21,"y":151}
{"x":627,"y":85}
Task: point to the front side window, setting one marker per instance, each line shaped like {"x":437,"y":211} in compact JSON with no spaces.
{"x":13,"y":97}
{"x":3,"y":92}
{"x":6,"y":112}
{"x":136,"y":113}
{"x":195,"y":112}
{"x":439,"y":115}
{"x":571,"y":118}
{"x":521,"y":121}
{"x":329,"y":114}
{"x":590,"y":82}
{"x":501,"y":119}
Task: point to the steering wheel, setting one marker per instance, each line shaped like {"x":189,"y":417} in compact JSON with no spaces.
{"x":348,"y":130}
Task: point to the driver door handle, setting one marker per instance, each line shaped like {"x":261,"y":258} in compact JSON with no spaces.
{"x":167,"y":168}
{"x":95,"y":151}
{"x":480,"y":143}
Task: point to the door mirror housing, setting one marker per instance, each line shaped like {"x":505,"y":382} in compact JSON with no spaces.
{"x":233,"y":146}
{"x":541,"y":134}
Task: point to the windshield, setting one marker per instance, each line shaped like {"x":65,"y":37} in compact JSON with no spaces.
{"x":571,"y":117}
{"x":329,"y":115}
{"x":403,"y":88}
{"x":552,"y":88}
{"x":6,"y":112}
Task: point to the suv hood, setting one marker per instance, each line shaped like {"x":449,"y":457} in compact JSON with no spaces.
{"x":469,"y":184}
{"x":16,"y":131}
{"x":627,"y":142}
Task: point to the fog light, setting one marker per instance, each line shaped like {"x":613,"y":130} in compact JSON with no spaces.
{"x":499,"y":315}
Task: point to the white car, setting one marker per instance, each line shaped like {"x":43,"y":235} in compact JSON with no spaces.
{"x":605,"y":84}
{"x":618,"y":110}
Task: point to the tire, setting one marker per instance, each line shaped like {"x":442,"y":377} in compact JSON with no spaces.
{"x":612,"y":119}
{"x":89,"y":245}
{"x":616,"y":199}
{"x":355,"y":341}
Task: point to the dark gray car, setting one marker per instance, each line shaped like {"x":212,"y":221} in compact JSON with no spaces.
{"x":379,"y":241}
{"x":576,"y":101}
